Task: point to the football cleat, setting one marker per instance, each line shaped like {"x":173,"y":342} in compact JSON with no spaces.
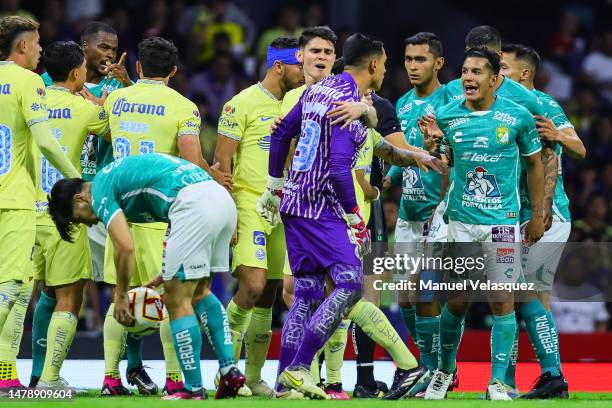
{"x":403,"y":381}
{"x":548,"y":386}
{"x":172,"y":386}
{"x":438,"y":385}
{"x":261,"y":389}
{"x":11,"y":384}
{"x":112,"y":386}
{"x":244,"y":391}
{"x":185,"y":394}
{"x":335,"y":391}
{"x":498,"y":391}
{"x":455,"y":383}
{"x":33,"y":381}
{"x":229,"y":384}
{"x":138,"y":376}
{"x":418,"y":389}
{"x":290,"y":395}
{"x":299,"y":379}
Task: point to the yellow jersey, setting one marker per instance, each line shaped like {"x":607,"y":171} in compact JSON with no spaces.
{"x":71,"y":119}
{"x":22,"y":102}
{"x":247,"y":118}
{"x":148,"y":117}
{"x":291,"y":99}
{"x":364,"y":162}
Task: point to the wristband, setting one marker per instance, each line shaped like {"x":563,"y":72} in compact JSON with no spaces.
{"x":377,"y":194}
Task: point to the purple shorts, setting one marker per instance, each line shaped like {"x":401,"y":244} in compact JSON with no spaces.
{"x":315,"y":245}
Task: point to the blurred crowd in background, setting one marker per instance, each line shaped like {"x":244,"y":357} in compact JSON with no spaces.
{"x":222,"y":45}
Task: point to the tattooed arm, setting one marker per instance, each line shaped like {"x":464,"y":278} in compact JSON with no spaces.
{"x":551,"y":164}
{"x":404,"y":158}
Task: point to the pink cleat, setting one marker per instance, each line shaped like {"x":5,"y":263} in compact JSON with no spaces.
{"x":113,"y":386}
{"x":11,"y":383}
{"x":336,"y":392}
{"x":184,"y":394}
{"x":455,"y":383}
{"x":172,"y":387}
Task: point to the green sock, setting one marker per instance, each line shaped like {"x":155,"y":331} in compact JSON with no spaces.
{"x":502,"y":338}
{"x":375,"y":324}
{"x":133,"y":345}
{"x":187,"y":340}
{"x":59,"y":339}
{"x":334,"y":353}
{"x":257,"y":342}
{"x":409,"y":315}
{"x":541,"y":336}
{"x":555,"y":335}
{"x":510,"y":378}
{"x":239,"y":320}
{"x":40,"y":325}
{"x":451,"y":330}
{"x":216,"y":326}
{"x":114,"y":343}
{"x":428,"y":334}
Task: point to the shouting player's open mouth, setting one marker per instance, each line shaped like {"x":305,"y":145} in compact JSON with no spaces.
{"x":470,"y":90}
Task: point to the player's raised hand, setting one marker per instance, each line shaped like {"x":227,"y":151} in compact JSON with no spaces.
{"x":346,"y":112}
{"x":118,"y":71}
{"x":85,"y":93}
{"x":432,"y":134}
{"x":547,"y":129}
{"x":122,"y":309}
{"x":268,"y":203}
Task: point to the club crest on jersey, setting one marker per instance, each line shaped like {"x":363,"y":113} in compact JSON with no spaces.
{"x":503,"y":135}
{"x":481,"y":190}
{"x":412,"y":185}
{"x":229,"y":109}
{"x":259,"y":238}
{"x":260,"y":254}
{"x":40,"y":91}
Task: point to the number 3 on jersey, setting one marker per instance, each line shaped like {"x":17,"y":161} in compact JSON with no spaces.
{"x":5,"y":149}
{"x":123,"y":147}
{"x":306,"y":149}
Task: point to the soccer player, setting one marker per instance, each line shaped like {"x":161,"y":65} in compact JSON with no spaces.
{"x":488,"y":37}
{"x":259,"y":251}
{"x":23,"y":117}
{"x":486,"y":133}
{"x":422,"y":192}
{"x":163,"y":188}
{"x":63,"y":267}
{"x":521,"y":63}
{"x":99,"y":43}
{"x":318,"y":195}
{"x":145,"y":118}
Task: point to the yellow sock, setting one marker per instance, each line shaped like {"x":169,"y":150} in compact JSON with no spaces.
{"x":375,"y":324}
{"x":315,"y":372}
{"x":257,"y":342}
{"x":10,"y":337}
{"x":10,"y":291}
{"x":114,"y":343}
{"x":62,"y":328}
{"x":239,"y":320}
{"x":334,"y":353}
{"x":8,"y":371}
{"x":173,"y":368}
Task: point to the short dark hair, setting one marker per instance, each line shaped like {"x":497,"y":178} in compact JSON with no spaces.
{"x":61,"y":57}
{"x":524,"y":53}
{"x":358,"y":48}
{"x":482,"y":52}
{"x":424,"y":37}
{"x":338,"y":66}
{"x":323,"y":32}
{"x":95,"y":27}
{"x":282,"y":43}
{"x":157,"y":57}
{"x":483,"y":36}
{"x":60,"y":205}
{"x":11,"y":27}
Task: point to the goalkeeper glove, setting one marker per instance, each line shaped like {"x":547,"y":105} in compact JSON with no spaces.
{"x":360,"y":231}
{"x":268,"y":203}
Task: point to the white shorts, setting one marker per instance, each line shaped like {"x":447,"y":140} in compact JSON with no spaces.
{"x":97,"y":239}
{"x":541,"y":259}
{"x":499,"y":245}
{"x":410,"y":241}
{"x":202,"y":221}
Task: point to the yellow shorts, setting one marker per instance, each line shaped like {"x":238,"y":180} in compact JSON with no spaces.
{"x":17,"y":235}
{"x":58,"y":262}
{"x":287,"y":269}
{"x":259,"y":245}
{"x":148,"y":248}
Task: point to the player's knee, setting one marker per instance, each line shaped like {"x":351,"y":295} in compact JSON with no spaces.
{"x":253,"y":291}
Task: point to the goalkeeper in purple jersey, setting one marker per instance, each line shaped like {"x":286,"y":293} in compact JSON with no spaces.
{"x":318,"y":199}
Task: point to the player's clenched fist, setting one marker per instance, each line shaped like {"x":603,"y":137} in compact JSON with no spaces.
{"x":268,"y":203}
{"x":360,"y":231}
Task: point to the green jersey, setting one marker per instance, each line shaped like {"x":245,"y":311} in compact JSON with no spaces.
{"x":143,"y":187}
{"x":97,"y":152}
{"x":420,"y":191}
{"x":560,"y":206}
{"x":486,"y":146}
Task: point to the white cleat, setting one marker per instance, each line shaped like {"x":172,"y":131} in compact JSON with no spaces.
{"x":261,"y":389}
{"x":498,"y":391}
{"x":299,"y":379}
{"x":438,"y":386}
{"x":59,"y":384}
{"x":290,"y":395}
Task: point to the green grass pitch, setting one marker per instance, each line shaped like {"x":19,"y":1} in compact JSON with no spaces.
{"x":456,"y":400}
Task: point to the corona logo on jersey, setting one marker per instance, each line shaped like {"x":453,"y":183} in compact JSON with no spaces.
{"x":481,"y":190}
{"x":412,"y":185}
{"x":60,"y":113}
{"x":121,"y":105}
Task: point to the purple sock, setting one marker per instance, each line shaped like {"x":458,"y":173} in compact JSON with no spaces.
{"x":309,"y":291}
